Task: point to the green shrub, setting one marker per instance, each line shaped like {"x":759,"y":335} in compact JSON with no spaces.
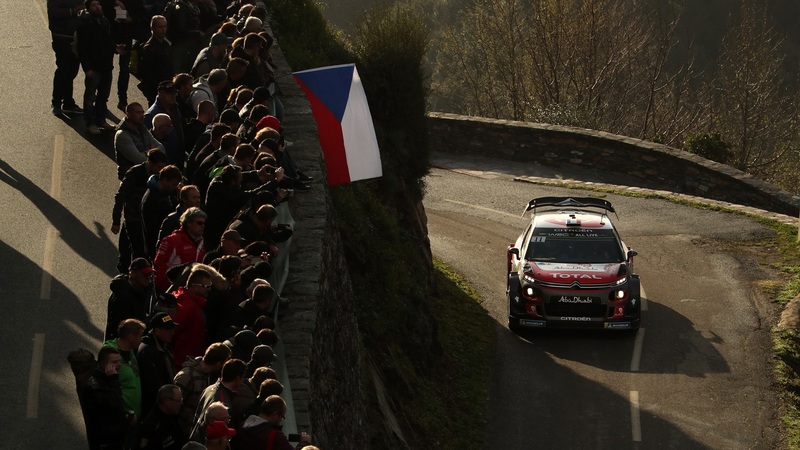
{"x":710,"y":146}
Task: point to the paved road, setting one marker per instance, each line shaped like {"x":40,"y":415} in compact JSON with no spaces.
{"x":57,"y":252}
{"x":696,"y":376}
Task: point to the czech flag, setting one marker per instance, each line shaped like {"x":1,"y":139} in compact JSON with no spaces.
{"x":346,"y":133}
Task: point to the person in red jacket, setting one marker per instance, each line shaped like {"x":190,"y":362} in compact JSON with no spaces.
{"x":190,"y":335}
{"x":183,"y":246}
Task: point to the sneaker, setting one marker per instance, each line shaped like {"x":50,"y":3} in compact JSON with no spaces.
{"x":94,"y":129}
{"x":74,"y":109}
{"x":303,"y":177}
{"x":57,"y":111}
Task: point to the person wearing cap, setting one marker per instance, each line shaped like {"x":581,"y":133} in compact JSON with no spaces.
{"x":160,"y":429}
{"x":213,"y":56}
{"x":155,"y":60}
{"x":167,"y":103}
{"x":218,"y":435}
{"x":155,"y":358}
{"x":258,"y":430}
{"x":131,"y":295}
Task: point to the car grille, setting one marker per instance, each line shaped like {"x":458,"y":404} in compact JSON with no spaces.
{"x":575,"y":310}
{"x":575,"y":285}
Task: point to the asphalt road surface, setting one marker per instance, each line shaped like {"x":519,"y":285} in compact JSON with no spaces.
{"x":695,"y":376}
{"x":58,"y":255}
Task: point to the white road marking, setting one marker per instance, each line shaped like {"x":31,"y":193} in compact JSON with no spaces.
{"x":636,"y":422}
{"x":483,"y":208}
{"x":35,"y":375}
{"x":50,"y":239}
{"x":637,"y":350}
{"x":643,"y":299}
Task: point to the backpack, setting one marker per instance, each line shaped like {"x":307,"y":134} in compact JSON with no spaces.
{"x":136,"y":59}
{"x":82,"y":362}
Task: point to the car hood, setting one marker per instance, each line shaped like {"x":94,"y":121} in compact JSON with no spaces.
{"x":584,"y":273}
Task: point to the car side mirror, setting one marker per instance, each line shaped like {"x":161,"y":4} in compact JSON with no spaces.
{"x":514,"y":251}
{"x":632,"y":253}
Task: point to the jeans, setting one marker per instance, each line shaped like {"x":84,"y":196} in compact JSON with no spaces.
{"x":124,"y":74}
{"x":95,"y":97}
{"x":67,"y":66}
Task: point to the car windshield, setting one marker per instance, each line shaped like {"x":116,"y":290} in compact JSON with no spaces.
{"x":574,"y":245}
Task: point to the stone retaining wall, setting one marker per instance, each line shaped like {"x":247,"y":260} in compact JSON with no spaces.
{"x":318,"y":329}
{"x":630,"y":162}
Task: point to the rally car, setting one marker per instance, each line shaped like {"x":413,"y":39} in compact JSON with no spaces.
{"x":570,"y":269}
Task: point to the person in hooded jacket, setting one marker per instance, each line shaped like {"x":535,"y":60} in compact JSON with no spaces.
{"x":195,"y":376}
{"x":131,"y":296}
{"x":133,"y":140}
{"x":190,"y":336}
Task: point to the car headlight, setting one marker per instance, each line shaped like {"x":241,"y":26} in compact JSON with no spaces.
{"x":617,"y":294}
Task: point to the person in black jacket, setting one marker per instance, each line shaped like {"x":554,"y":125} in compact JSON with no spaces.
{"x":131,"y":296}
{"x":103,"y":411}
{"x":155,"y":61}
{"x":96,"y":52}
{"x":258,"y":430}
{"x":155,"y":359}
{"x":62,"y":17}
{"x":160,"y":430}
{"x":128,"y":202}
{"x":157,"y":203}
{"x":189,"y":197}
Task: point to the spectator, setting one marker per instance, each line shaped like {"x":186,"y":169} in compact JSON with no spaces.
{"x":122,"y":32}
{"x":216,"y":411}
{"x":96,"y":54}
{"x":258,"y":430}
{"x":266,"y":335}
{"x":128,"y":205}
{"x":104,"y":411}
{"x":63,"y":20}
{"x":263,"y":389}
{"x":229,"y":244}
{"x":218,"y":435}
{"x":188,"y":197}
{"x":262,"y":356}
{"x":256,"y":72}
{"x":183,"y":246}
{"x":213,"y":56}
{"x":129,"y":334}
{"x":198,"y":124}
{"x":209,"y":142}
{"x":222,"y":301}
{"x":155,"y":61}
{"x":261,"y":96}
{"x":242,"y":344}
{"x":133,"y":140}
{"x":190,"y":336}
{"x":130,"y":296}
{"x":209,"y":87}
{"x":183,"y":83}
{"x":202,"y":175}
{"x":184,"y":31}
{"x":155,"y":358}
{"x":224,"y":390}
{"x":172,"y":138}
{"x":259,"y":304}
{"x":158,"y":202}
{"x":196,"y":375}
{"x":247,"y":131}
{"x":160,"y":429}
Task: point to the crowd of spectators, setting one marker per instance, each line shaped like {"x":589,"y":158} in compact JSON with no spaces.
{"x":204,"y":170}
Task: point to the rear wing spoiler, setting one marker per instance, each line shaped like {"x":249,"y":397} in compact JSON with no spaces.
{"x":575,"y":202}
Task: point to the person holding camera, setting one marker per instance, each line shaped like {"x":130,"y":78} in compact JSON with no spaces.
{"x":258,"y":432}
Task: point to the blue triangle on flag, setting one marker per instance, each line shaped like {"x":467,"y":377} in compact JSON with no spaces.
{"x":331,"y":85}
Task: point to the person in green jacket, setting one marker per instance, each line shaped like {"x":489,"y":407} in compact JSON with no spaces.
{"x":129,"y":334}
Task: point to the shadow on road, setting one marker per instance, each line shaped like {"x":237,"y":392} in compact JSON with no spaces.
{"x":63,"y":322}
{"x":92,"y":245}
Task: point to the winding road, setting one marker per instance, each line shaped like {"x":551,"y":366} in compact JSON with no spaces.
{"x":696,"y":375}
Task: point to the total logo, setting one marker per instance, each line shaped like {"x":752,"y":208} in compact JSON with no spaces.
{"x":576,"y":276}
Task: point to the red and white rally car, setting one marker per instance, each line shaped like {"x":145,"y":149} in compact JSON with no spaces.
{"x":570,"y":269}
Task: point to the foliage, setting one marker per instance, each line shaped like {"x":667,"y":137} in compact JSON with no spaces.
{"x":709,"y":146}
